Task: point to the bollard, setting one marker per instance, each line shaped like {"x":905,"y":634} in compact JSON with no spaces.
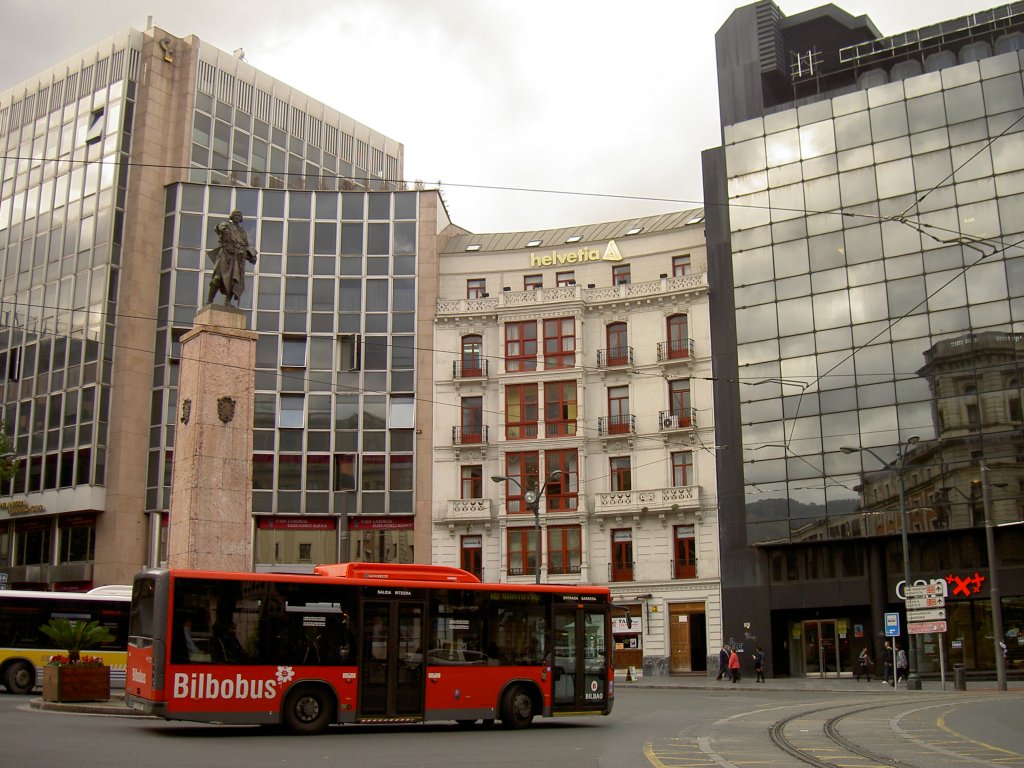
{"x":959,"y":677}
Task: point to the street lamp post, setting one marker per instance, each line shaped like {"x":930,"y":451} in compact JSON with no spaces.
{"x":993,"y":581}
{"x":998,"y":638}
{"x":897,"y":466}
{"x":532,"y":499}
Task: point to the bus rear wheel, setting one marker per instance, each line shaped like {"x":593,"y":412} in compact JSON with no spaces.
{"x":517,"y":708}
{"x":308,"y":710}
{"x":20,"y":677}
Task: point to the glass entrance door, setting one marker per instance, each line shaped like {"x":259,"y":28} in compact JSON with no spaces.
{"x":825,"y":647}
{"x":581,"y":658}
{"x":391,"y":662}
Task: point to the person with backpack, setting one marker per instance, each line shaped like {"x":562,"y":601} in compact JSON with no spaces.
{"x":901,"y":664}
{"x":864,"y":665}
{"x":759,"y":664}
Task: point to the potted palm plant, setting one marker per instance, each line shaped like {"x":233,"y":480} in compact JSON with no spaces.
{"x":75,"y":676}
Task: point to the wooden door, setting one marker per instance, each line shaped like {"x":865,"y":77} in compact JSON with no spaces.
{"x":679,"y":636}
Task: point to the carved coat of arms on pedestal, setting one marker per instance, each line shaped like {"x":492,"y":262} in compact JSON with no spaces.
{"x":226,"y":409}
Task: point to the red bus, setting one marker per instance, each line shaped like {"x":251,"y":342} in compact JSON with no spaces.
{"x":365,"y":643}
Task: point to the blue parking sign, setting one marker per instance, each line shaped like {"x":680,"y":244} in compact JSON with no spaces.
{"x":892,"y":625}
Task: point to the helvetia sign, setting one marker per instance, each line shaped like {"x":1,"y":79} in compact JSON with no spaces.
{"x":579,"y":256}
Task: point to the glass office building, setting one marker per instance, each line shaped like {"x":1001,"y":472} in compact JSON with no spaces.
{"x":869,"y":251}
{"x":333,"y":299}
{"x":95,"y":290}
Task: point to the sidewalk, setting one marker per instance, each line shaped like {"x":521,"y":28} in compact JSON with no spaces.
{"x":831,"y":684}
{"x":696,"y":681}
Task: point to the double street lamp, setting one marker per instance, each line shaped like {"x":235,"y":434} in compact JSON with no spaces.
{"x":532,"y":499}
{"x":897,"y":465}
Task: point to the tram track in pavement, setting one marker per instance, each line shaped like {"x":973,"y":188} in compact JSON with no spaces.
{"x":910,"y":741}
{"x":909,"y":733}
{"x":821,"y":737}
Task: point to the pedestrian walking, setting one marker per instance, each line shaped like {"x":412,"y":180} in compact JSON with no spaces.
{"x":864,"y":665}
{"x":734,"y":665}
{"x":723,"y":661}
{"x":901,"y":663}
{"x":887,"y":664}
{"x":759,"y":664}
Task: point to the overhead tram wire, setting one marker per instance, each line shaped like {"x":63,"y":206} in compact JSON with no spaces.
{"x":655,"y":462}
{"x":900,"y":218}
{"x":411,"y":186}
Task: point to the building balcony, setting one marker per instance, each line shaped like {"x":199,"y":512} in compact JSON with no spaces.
{"x":564,"y":569}
{"x":667,"y":287}
{"x":466,"y":512}
{"x":676,"y":351}
{"x":682,"y":569}
{"x":470,"y":370}
{"x":616,"y":426}
{"x":684,"y":498}
{"x":621,"y":571}
{"x":616,"y":357}
{"x":670,"y":421}
{"x":470,"y":436}
{"x":525,"y":431}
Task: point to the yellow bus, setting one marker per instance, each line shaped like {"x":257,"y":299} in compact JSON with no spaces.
{"x":24,"y":649}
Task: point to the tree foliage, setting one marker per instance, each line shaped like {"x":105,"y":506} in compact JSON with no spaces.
{"x":9,"y":464}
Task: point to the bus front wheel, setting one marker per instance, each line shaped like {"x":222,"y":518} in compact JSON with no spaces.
{"x":517,"y":708}
{"x":20,"y":677}
{"x":308,"y":710}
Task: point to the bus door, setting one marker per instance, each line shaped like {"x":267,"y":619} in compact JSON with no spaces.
{"x":392,"y":665}
{"x":581,"y":658}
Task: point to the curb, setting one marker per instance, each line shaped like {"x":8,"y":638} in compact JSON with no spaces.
{"x":113,"y":706}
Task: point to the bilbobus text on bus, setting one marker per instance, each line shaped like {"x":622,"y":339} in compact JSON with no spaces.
{"x":25,"y":649}
{"x":365,"y":643}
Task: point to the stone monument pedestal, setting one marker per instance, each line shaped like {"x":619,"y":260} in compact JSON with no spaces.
{"x":211,"y":487}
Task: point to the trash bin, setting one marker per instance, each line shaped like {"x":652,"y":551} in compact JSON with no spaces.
{"x":959,"y":677}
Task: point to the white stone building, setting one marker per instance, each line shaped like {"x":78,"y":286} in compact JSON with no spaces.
{"x":578,"y":362}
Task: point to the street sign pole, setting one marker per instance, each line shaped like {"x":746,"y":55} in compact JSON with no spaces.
{"x":892,"y":629}
{"x":942,"y":659}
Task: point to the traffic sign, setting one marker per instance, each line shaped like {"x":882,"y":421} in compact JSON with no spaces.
{"x":923,"y":590}
{"x":926,"y":627}
{"x":892,"y":625}
{"x":925,"y":602}
{"x":931,"y":614}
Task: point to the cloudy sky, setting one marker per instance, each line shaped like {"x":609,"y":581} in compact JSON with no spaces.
{"x":532,"y":114}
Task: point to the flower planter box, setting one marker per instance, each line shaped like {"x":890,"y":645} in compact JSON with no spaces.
{"x":76,"y":683}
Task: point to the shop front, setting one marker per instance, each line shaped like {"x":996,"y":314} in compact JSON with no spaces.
{"x":628,"y":636}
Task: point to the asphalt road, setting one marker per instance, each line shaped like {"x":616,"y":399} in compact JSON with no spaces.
{"x":661,"y":728}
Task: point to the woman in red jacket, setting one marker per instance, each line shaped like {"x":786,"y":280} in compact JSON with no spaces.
{"x":734,"y":665}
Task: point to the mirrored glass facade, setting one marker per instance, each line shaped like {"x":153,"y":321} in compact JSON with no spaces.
{"x":868,"y":258}
{"x":879,"y":281}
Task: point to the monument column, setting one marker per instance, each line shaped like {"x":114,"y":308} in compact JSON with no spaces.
{"x":211,"y":485}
